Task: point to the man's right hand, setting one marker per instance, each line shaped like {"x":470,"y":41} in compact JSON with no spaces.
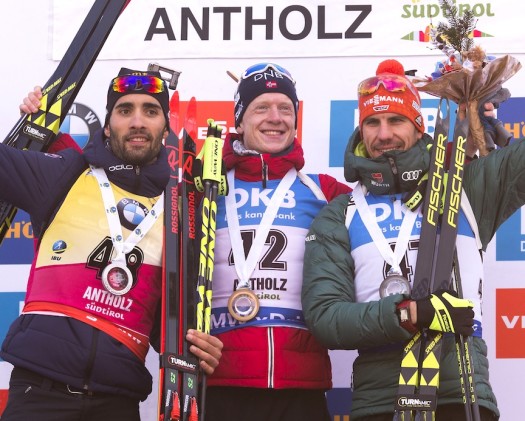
{"x":31,"y":103}
{"x":445,"y":312}
{"x":207,"y":348}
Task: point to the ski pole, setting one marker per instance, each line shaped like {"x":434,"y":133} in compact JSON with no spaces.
{"x":466,"y":366}
{"x":210,"y":158}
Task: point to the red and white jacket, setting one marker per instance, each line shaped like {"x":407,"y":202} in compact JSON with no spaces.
{"x":275,"y":349}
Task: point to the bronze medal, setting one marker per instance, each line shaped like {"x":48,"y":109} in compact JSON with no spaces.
{"x":243,"y":304}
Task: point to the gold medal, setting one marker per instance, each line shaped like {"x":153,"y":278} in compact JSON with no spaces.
{"x":243,"y":304}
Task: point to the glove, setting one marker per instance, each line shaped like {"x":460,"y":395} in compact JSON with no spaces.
{"x":445,"y":312}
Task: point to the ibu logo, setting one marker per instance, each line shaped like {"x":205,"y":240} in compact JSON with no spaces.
{"x":59,"y":247}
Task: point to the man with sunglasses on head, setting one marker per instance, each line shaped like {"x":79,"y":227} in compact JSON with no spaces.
{"x":79,"y":347}
{"x":361,"y":253}
{"x":271,"y":367}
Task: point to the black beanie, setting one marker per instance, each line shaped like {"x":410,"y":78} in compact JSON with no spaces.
{"x":268,"y":80}
{"x":163,"y":97}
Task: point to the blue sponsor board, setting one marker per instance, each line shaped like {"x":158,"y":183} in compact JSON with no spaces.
{"x":510,"y":238}
{"x":18,"y":245}
{"x":510,"y":113}
{"x":344,"y":118}
{"x":10,"y":305}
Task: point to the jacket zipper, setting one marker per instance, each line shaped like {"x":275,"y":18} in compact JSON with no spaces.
{"x":395,"y":172}
{"x":91,"y":359}
{"x":138,"y":180}
{"x":271,"y":365}
{"x":264,"y":169}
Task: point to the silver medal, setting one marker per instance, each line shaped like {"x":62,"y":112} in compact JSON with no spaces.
{"x":117,"y":278}
{"x":394,"y":283}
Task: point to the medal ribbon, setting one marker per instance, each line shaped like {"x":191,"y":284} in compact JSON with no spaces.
{"x":123,"y":247}
{"x":392,"y":257}
{"x":246,"y":266}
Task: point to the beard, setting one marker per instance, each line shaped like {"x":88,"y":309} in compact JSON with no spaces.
{"x":142,"y":154}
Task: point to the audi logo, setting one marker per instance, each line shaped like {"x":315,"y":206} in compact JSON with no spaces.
{"x":411,"y":175}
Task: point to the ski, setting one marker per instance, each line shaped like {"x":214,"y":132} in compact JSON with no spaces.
{"x":189,"y":204}
{"x":446,"y":261}
{"x":433,"y":202}
{"x":408,"y":397}
{"x":179,"y":368}
{"x":37,"y":131}
{"x":170,"y":364}
{"x":419,"y":375}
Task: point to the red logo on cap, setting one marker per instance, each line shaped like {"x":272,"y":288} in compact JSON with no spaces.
{"x":377,"y":176}
{"x":271,"y":84}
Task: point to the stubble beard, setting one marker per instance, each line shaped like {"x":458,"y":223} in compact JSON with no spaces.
{"x":135,"y":156}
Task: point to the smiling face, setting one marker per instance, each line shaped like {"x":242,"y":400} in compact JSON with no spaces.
{"x":136,"y":129}
{"x":268,"y":125}
{"x":386,"y":132}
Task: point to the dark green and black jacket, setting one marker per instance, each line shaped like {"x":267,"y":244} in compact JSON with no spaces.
{"x":495,"y":187}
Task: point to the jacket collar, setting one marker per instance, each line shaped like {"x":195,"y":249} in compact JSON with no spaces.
{"x":253,"y":166}
{"x":149,"y":180}
{"x":391,"y":173}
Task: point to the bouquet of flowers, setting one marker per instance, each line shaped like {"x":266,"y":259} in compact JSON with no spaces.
{"x":468,"y":76}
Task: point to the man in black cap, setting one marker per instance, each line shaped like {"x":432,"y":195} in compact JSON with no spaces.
{"x":272,"y":368}
{"x":79,"y":347}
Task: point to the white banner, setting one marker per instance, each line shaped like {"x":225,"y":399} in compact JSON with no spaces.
{"x":164,"y":29}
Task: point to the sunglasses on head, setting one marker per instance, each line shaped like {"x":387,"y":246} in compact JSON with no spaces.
{"x":130,"y":83}
{"x":391,"y":82}
{"x":263,"y":67}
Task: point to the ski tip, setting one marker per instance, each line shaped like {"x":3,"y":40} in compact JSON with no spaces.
{"x":190,"y":120}
{"x":175,"y":113}
{"x":192,"y":107}
{"x":174,"y":96}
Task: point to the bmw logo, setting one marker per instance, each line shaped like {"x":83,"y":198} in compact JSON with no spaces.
{"x":131,"y":213}
{"x":81,"y":123}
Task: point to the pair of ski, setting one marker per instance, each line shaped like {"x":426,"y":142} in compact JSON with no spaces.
{"x":186,"y":284}
{"x":37,"y":131}
{"x":419,"y":376}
